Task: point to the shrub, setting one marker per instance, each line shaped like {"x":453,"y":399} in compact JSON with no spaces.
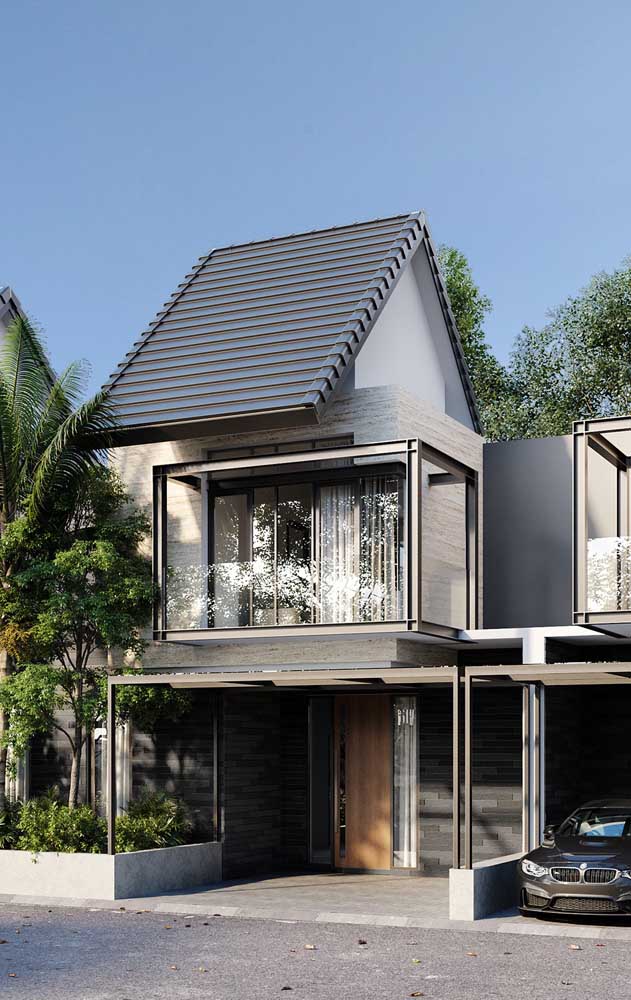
{"x":153,"y":820}
{"x":46,"y":825}
{"x":9,"y":825}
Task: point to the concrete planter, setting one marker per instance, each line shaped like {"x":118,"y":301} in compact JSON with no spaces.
{"x":105,"y":876}
{"x":487,"y":888}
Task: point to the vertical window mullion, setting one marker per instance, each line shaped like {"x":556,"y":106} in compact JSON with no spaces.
{"x":275,"y":556}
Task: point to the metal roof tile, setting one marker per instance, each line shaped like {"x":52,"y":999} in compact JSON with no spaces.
{"x":264,"y":326}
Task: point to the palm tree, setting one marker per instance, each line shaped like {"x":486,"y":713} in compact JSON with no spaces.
{"x":49,"y":440}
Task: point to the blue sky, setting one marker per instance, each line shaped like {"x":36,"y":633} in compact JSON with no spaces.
{"x":136,"y":135}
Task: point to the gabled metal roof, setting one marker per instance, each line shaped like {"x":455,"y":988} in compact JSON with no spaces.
{"x":261,"y":333}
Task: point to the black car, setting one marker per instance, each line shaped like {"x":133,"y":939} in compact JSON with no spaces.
{"x":582,"y":866}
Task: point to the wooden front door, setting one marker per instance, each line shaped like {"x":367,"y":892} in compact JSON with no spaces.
{"x":363,"y":780}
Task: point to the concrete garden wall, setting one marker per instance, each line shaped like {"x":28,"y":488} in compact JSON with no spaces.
{"x":487,"y":888}
{"x":105,"y":876}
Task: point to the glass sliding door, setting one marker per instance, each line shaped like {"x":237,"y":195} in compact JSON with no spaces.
{"x":404,"y":781}
{"x":361,"y":551}
{"x":294,"y":575}
{"x":301,"y":553}
{"x":381,"y":550}
{"x":338,"y":584}
{"x":264,"y":556}
{"x":229,"y":585}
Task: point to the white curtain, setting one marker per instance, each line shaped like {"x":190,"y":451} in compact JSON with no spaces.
{"x":405,"y":779}
{"x":339,"y":570}
{"x":359,"y":552}
{"x":380,"y":577}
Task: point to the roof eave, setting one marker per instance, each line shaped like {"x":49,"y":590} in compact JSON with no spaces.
{"x":240,"y":423}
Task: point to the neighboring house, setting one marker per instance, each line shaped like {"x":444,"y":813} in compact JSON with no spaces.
{"x":10,"y":308}
{"x":330,"y":536}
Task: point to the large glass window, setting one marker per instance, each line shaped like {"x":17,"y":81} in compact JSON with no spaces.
{"x":322,"y":538}
{"x":280,"y":553}
{"x":608,"y":542}
{"x":229,"y":592}
{"x":602,"y":520}
{"x":361,"y":551}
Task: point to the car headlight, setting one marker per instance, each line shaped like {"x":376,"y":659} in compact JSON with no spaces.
{"x":535,"y":871}
{"x":626,"y":874}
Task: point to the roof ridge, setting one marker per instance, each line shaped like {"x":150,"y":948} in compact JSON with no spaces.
{"x":319,"y":229}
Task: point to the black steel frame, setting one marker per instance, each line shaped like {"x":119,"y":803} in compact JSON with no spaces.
{"x":415,"y":452}
{"x":590,"y":434}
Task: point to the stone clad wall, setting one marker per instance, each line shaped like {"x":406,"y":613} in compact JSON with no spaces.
{"x":265,"y":782}
{"x":496,"y":776}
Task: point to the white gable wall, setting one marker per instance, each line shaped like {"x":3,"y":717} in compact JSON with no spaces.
{"x":409,"y":345}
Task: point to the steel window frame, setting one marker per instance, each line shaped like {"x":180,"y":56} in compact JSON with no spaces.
{"x":414,"y":451}
{"x":588,"y":434}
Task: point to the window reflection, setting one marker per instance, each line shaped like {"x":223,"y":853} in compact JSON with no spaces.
{"x":299,"y":553}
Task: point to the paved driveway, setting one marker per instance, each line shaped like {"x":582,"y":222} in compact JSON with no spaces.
{"x":72,"y":954}
{"x":368,"y":900}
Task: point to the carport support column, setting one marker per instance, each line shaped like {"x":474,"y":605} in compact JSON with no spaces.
{"x":111,"y":766}
{"x":533,"y":765}
{"x":468,"y":771}
{"x":456,"y":811}
{"x":534,"y":650}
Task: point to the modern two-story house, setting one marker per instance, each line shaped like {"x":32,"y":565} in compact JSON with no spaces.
{"x":407,"y":649}
{"x":301,"y":421}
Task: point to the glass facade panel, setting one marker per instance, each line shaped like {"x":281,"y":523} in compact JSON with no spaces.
{"x":608,"y":541}
{"x":338,"y":583}
{"x":263,"y":557}
{"x":294,"y":576}
{"x":228,"y":596}
{"x":361,"y":551}
{"x":404,"y":781}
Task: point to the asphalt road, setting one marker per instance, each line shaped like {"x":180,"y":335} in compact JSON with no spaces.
{"x":129,"y":955}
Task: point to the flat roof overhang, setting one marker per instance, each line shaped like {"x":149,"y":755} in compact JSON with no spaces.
{"x":554,"y":674}
{"x":256,"y":677}
{"x":376,"y":675}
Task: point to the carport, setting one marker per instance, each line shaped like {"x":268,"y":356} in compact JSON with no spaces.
{"x":478,"y":889}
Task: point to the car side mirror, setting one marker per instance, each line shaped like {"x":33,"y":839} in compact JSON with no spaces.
{"x":548,"y":833}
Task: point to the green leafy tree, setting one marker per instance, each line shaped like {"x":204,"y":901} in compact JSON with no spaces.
{"x":579,"y":364}
{"x":492,"y":383}
{"x":94,"y":593}
{"x":46,"y":435}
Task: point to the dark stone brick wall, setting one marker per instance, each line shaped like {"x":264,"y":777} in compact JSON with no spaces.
{"x":264,"y":782}
{"x":177,"y":758}
{"x":588,"y":749}
{"x":295,"y":780}
{"x":496,"y":776}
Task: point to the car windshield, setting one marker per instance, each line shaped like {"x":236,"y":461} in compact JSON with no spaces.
{"x":606,"y":822}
